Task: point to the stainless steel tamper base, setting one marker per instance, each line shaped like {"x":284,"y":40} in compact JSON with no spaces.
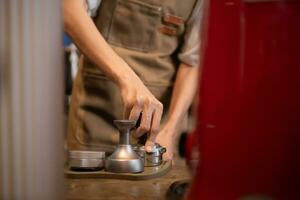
{"x":124,"y":159}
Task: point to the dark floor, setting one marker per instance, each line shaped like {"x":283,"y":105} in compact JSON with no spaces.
{"x":109,"y":189}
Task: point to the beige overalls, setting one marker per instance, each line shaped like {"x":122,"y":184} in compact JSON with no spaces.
{"x":147,"y":34}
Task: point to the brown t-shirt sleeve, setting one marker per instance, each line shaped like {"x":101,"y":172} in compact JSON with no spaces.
{"x":189,"y":53}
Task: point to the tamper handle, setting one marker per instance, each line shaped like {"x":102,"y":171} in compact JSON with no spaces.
{"x":124,"y":127}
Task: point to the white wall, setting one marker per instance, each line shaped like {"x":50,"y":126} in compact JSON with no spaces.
{"x":31,"y":100}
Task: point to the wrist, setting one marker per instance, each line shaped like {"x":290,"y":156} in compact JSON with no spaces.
{"x":125,"y":78}
{"x":173,"y":120}
{"x":170,"y":127}
{"x":131,"y":82}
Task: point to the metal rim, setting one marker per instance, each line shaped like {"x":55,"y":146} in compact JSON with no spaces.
{"x":86,"y":154}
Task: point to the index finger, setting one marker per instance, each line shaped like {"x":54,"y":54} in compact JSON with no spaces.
{"x":154,"y":128}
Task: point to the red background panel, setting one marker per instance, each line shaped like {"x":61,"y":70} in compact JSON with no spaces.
{"x":249,"y":133}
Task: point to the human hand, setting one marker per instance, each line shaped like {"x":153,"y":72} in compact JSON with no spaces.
{"x":166,"y":138}
{"x":139,"y":101}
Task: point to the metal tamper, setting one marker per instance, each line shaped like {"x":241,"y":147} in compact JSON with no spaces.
{"x":124,"y":159}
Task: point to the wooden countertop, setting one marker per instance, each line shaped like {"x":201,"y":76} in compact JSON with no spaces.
{"x":112,"y":189}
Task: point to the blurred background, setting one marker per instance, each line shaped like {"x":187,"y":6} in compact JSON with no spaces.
{"x":246,"y":142}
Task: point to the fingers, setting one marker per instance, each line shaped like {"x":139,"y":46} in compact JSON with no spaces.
{"x":150,"y":110}
{"x":126,"y":111}
{"x":135,"y":112}
{"x":157,"y":115}
{"x":149,"y":145}
{"x":168,"y":156}
{"x":146,"y":119}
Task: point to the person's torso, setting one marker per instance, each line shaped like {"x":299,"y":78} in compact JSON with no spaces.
{"x":147,"y":34}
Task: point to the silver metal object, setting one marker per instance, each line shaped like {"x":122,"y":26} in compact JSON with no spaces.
{"x":86,"y":160}
{"x":153,"y":158}
{"x":124,"y":159}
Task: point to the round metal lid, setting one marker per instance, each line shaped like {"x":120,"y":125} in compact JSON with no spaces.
{"x":157,"y":150}
{"x":86,"y":154}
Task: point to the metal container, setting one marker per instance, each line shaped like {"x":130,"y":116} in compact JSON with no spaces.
{"x":153,"y":158}
{"x":124,"y":159}
{"x":86,"y":160}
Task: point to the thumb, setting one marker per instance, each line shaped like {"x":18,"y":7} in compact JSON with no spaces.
{"x":149,"y":145}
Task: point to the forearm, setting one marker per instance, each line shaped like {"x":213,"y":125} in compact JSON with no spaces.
{"x":88,"y":39}
{"x":185,"y":88}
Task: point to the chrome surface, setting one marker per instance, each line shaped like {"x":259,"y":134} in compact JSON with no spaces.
{"x":86,"y":163}
{"x":124,"y":159}
{"x":153,"y":158}
{"x":87,"y":154}
{"x":92,"y":160}
{"x":151,"y":161}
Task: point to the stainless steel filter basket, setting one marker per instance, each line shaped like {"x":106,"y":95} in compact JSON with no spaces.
{"x":86,"y":160}
{"x":153,"y":158}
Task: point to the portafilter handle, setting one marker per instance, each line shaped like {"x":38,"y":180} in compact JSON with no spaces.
{"x":124,"y":127}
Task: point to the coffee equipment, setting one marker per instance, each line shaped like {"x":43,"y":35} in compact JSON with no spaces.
{"x":152,"y":158}
{"x":124,"y":159}
{"x":86,"y":160}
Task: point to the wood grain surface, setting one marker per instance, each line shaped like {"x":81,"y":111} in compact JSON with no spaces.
{"x":112,"y":189}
